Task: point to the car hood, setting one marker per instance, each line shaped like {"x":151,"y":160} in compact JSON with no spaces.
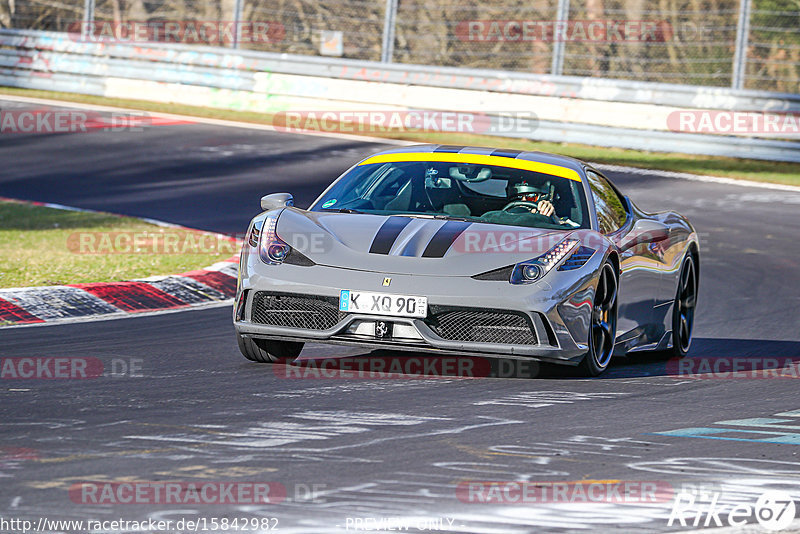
{"x":410,"y":245}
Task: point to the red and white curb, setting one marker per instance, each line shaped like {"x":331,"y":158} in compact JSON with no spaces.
{"x":36,"y":305}
{"x":214,"y":285}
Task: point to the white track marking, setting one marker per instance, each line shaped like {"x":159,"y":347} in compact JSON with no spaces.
{"x":697,"y":177}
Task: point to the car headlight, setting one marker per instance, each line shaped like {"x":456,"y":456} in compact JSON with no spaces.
{"x":535,"y":269}
{"x":272,"y":249}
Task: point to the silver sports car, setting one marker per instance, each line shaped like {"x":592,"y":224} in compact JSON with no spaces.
{"x":470,"y":251}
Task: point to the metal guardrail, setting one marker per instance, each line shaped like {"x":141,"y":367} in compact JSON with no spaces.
{"x":750,"y":44}
{"x":477,"y":79}
{"x":228,"y":78}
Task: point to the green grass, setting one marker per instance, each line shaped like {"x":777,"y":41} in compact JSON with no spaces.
{"x":762,"y":171}
{"x":44,"y":246}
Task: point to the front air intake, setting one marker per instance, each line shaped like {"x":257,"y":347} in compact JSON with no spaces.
{"x":578,"y":259}
{"x":309,"y":312}
{"x":479,"y":325}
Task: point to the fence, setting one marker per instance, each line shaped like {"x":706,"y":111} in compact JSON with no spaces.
{"x":750,"y":44}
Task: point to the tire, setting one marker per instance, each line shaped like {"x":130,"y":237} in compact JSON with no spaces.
{"x":683,"y":310}
{"x":268,"y":351}
{"x":602,"y":332}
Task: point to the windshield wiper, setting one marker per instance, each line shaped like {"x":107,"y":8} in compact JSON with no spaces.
{"x":454,"y":218}
{"x":436,"y":216}
{"x":342,"y":210}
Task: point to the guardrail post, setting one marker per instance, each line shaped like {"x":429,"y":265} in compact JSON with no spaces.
{"x":237,"y":23}
{"x":387,"y":45}
{"x":742,"y":41}
{"x":88,"y":18}
{"x":562,"y":16}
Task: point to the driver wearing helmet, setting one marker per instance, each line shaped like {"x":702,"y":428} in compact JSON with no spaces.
{"x":531,"y":198}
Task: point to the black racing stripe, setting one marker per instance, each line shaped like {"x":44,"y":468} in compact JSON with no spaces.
{"x":506,"y":153}
{"x":444,"y":238}
{"x":449,"y":148}
{"x":387,"y":234}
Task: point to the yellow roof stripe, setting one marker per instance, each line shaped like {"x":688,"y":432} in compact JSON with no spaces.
{"x":478,"y":159}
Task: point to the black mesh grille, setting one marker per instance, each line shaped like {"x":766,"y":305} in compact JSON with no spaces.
{"x":296,"y":311}
{"x":483,"y":326}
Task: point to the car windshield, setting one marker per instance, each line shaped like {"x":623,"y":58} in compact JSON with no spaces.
{"x":472,"y":192}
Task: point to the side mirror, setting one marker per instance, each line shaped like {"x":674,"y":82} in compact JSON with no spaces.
{"x":276,"y":200}
{"x":645,"y":231}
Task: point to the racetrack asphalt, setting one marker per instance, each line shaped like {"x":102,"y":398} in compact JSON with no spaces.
{"x":177,"y":402}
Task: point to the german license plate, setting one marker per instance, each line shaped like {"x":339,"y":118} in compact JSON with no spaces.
{"x":382,"y":304}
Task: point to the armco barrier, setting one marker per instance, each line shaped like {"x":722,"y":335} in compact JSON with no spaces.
{"x":577,"y":110}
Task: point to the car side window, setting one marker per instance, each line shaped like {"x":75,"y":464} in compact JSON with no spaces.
{"x":609,"y":206}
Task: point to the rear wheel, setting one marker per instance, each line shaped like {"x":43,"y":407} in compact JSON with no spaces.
{"x":602,"y":333}
{"x":269,"y":351}
{"x":683,"y":309}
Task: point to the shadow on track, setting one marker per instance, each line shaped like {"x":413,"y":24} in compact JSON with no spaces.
{"x":708,"y":359}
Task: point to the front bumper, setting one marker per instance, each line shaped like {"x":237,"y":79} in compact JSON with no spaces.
{"x":554,"y":309}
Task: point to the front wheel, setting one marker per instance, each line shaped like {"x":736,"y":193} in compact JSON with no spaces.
{"x":683,"y":309}
{"x":267,"y":350}
{"x":602,"y":333}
